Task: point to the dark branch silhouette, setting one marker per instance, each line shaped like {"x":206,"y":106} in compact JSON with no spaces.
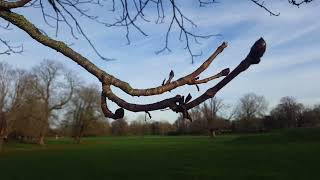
{"x":131,"y":14}
{"x":9,"y":49}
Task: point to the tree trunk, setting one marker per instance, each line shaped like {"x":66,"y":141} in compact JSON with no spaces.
{"x":43,"y":129}
{"x":212,"y":133}
{"x":77,"y":139}
{"x":1,"y":143}
{"x":45,"y":124}
{"x":41,"y":140}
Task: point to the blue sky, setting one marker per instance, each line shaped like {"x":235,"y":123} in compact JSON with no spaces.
{"x":290,"y":66}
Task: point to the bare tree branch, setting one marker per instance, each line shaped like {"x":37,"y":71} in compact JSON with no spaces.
{"x":261,"y":4}
{"x":55,"y":12}
{"x":62,"y":11}
{"x":9,"y":49}
{"x":224,"y":72}
{"x":299,"y":2}
{"x":178,"y":103}
{"x":67,"y":98}
{"x":5,"y":5}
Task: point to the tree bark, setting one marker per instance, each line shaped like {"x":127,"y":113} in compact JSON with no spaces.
{"x":1,"y":144}
{"x":41,"y":140}
{"x":44,"y":127}
{"x":212,"y":133}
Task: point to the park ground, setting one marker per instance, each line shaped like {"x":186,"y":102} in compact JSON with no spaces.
{"x":286,"y":154}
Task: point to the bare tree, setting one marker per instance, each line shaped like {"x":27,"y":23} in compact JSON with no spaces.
{"x":310,"y":117}
{"x":5,"y":83}
{"x":84,"y":110}
{"x":316,"y":111}
{"x":250,"y":108}
{"x":165,"y":127}
{"x":182,"y":126}
{"x":137,"y":127}
{"x":196,"y":114}
{"x":119,"y":127}
{"x":27,"y":118}
{"x":141,"y":125}
{"x":56,"y":12}
{"x":12,"y":88}
{"x":54,"y":87}
{"x":288,"y":112}
{"x":210,"y":111}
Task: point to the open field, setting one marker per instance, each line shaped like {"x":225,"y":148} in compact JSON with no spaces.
{"x":287,"y":154}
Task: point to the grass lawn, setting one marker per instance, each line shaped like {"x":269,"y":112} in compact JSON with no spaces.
{"x":286,"y":154}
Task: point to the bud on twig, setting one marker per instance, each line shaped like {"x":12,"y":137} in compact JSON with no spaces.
{"x":257,"y":51}
{"x":119,"y":113}
{"x":225,"y":72}
{"x":188,"y":98}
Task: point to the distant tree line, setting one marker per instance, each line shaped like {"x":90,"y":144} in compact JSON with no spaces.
{"x":250,"y":115}
{"x":48,"y":100}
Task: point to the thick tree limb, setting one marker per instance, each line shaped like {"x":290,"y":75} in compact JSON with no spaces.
{"x":6,"y":5}
{"x":170,"y":102}
{"x":104,"y":77}
{"x":177,"y":103}
{"x":168,"y":86}
{"x":256,"y":52}
{"x":21,"y":22}
{"x":107,"y":113}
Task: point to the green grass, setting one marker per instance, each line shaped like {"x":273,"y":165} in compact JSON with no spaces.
{"x":287,"y":154}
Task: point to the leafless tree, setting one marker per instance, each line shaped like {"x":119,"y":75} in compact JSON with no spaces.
{"x":137,"y":127}
{"x":12,"y":88}
{"x":27,"y":118}
{"x":119,"y":127}
{"x":310,"y":117}
{"x":141,"y":125}
{"x":250,"y":109}
{"x":316,"y":112}
{"x":54,"y":87}
{"x":84,"y":109}
{"x":210,"y":111}
{"x":251,"y":106}
{"x":68,"y":12}
{"x":5,"y":83}
{"x":182,"y":126}
{"x":288,"y":112}
{"x":165,"y":127}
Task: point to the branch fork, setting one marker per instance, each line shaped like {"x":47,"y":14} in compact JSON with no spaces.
{"x":178,"y":103}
